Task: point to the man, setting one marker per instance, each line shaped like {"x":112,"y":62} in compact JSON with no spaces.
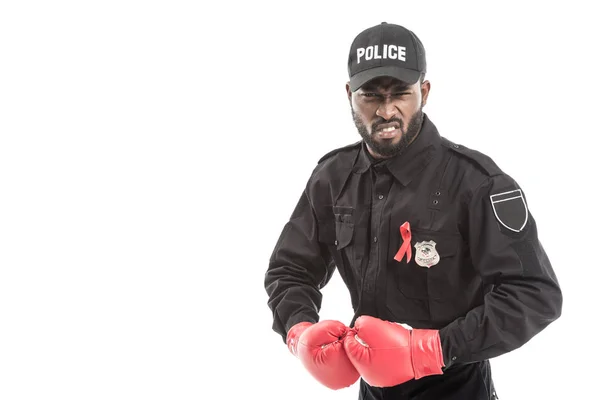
{"x":435,"y":243}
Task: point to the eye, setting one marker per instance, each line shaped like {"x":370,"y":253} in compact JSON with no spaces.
{"x":400,"y":94}
{"x":370,"y":94}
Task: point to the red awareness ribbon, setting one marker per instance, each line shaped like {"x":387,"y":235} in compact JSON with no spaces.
{"x":405,"y":248}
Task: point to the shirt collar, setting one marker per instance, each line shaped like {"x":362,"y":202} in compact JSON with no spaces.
{"x":405,"y":166}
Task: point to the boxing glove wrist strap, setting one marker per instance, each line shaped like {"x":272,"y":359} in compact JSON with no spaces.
{"x":426,"y":350}
{"x":293,"y":335}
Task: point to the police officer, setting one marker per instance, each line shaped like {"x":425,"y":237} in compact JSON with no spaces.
{"x":436,"y":245}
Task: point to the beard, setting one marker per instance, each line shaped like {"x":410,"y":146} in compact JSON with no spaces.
{"x":384,"y":148}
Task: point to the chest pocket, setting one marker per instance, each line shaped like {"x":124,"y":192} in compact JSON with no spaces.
{"x":344,"y":226}
{"x":338,"y":234}
{"x":439,"y":275}
{"x":433,"y":271}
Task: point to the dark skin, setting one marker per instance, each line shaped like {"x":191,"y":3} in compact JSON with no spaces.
{"x":388,"y":113}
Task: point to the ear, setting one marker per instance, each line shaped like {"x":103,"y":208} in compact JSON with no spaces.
{"x":349,"y":92}
{"x":425,"y":87}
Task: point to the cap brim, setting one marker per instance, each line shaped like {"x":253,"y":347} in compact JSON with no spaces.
{"x":409,"y":76}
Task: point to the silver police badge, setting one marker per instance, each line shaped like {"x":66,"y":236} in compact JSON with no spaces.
{"x":426,"y":254}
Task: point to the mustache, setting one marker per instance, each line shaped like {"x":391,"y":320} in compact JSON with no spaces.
{"x":382,"y":121}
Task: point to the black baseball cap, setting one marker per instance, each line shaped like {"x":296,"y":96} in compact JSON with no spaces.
{"x":385,"y":50}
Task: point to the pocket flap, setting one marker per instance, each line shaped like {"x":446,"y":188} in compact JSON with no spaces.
{"x":446,"y":244}
{"x":344,"y":231}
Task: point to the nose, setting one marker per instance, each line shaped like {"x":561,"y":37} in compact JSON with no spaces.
{"x":386,"y":109}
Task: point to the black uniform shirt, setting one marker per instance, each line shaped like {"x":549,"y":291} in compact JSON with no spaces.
{"x":491,"y":287}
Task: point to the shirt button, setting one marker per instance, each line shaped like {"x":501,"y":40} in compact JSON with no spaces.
{"x":375,"y":239}
{"x":380,"y":196}
{"x":454,"y":358}
{"x":336,"y":242}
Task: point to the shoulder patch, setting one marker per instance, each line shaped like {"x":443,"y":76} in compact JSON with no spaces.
{"x":483,"y":161}
{"x":335,"y":151}
{"x":510,"y":209}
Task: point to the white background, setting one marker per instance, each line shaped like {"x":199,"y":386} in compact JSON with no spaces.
{"x":151,"y":152}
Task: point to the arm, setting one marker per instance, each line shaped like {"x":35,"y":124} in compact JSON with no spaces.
{"x":298,"y":268}
{"x":524,"y":298}
{"x":525,"y":295}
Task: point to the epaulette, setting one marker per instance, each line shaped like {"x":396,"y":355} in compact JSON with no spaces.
{"x":484,"y":162}
{"x":333,"y":152}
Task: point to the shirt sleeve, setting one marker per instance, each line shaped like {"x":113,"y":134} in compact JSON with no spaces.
{"x":522,"y":294}
{"x":298,"y":268}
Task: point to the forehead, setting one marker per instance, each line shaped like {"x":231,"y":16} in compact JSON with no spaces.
{"x":385,"y":83}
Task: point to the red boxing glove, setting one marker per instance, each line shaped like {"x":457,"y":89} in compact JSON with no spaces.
{"x":387,"y":354}
{"x":320,"y":348}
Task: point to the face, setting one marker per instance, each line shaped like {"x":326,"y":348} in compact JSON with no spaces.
{"x":388,"y":114}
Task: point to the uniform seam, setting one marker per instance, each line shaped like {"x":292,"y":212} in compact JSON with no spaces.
{"x":412,"y":38}
{"x":473,"y":161}
{"x":471,"y":195}
{"x":446,"y":168}
{"x":330,"y":154}
{"x":483,"y":380}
